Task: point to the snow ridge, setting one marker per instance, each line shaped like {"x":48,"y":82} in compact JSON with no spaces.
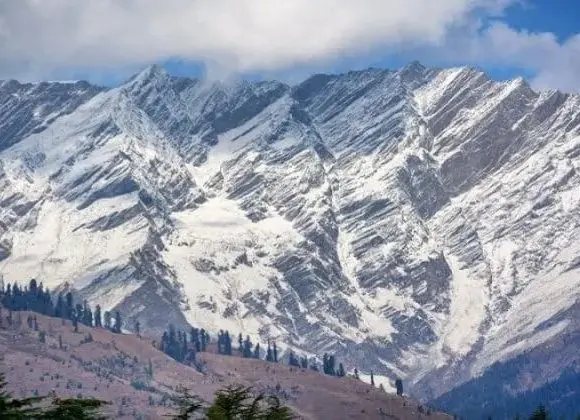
{"x":409,"y":221}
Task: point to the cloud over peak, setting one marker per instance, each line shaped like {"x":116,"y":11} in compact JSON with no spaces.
{"x":42,"y":37}
{"x":241,"y":34}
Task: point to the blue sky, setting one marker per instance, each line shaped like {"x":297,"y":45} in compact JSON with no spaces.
{"x":106,"y":42}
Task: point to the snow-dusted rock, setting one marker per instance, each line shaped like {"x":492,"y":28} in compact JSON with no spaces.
{"x":411,"y":221}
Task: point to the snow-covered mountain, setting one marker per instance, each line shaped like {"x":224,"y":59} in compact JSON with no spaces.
{"x":422,"y":222}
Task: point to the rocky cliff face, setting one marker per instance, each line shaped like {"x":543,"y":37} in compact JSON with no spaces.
{"x":411,"y":221}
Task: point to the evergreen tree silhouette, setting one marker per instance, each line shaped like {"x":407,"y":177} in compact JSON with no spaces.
{"x":269,"y":354}
{"x":107,"y":320}
{"x":203,"y":338}
{"x":118,"y":323}
{"x":98,"y":320}
{"x":11,"y":408}
{"x":247,"y":348}
{"x":228,"y":343}
{"x":69,"y":308}
{"x":399,"y":386}
{"x":60,"y":309}
{"x":256,"y":354}
{"x":340,"y":371}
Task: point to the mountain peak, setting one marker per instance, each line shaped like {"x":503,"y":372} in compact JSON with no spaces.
{"x":413,"y":66}
{"x":149,"y":74}
{"x":413,"y":74}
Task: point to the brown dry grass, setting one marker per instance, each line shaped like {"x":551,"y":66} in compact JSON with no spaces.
{"x":106,"y":367}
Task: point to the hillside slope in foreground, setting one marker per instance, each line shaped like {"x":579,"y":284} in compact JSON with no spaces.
{"x":114,"y":367}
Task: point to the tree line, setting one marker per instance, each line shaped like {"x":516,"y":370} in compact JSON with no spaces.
{"x":36,"y":298}
{"x":180,"y":345}
{"x":183,"y":347}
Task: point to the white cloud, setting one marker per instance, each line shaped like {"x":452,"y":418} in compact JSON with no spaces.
{"x":238,"y":34}
{"x":39,"y":38}
{"x":555,"y":64}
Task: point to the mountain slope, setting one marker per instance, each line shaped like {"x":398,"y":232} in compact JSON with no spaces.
{"x":114,"y":367}
{"x":420,"y":223}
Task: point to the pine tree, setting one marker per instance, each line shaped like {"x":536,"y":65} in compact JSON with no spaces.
{"x":75,"y":323}
{"x":172,"y":345}
{"x":60,"y":310}
{"x":399,"y":386}
{"x":74,"y":408}
{"x":236,"y":402}
{"x":220,"y":342}
{"x":275,"y":352}
{"x":16,"y":300}
{"x":293,"y":360}
{"x":138,"y":328}
{"x":247,"y":348}
{"x":107,"y":320}
{"x":331,"y":364}
{"x":269,"y":355}
{"x":118,"y":323}
{"x":204,"y":339}
{"x":228,"y":343}
{"x":188,"y":404}
{"x":69,"y":308}
{"x":150,"y":370}
{"x":340,"y":371}
{"x":15,"y":409}
{"x":256,"y":354}
{"x":60,"y":409}
{"x":7,"y":297}
{"x":328,"y":363}
{"x":241,"y":344}
{"x":185,"y":352}
{"x":356,"y":373}
{"x":31,"y":298}
{"x":87,"y":315}
{"x":164,"y":342}
{"x":45,"y":301}
{"x":98,"y":321}
{"x":195,"y":339}
{"x":372,"y":379}
{"x":79,"y":312}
